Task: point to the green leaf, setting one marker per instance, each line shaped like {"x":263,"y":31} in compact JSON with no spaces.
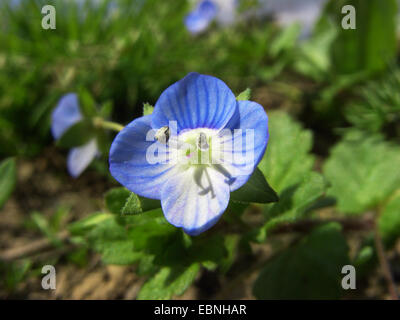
{"x":294,"y":204}
{"x":122,"y":201}
{"x":110,"y":237}
{"x":231,"y":245}
{"x":13,"y":273}
{"x":116,"y":198}
{"x":286,"y":40}
{"x":106,"y":110}
{"x":314,"y":53}
{"x":309,"y":270}
{"x":361,"y":170}
{"x":135,"y":205}
{"x":287,"y":160}
{"x":147,"y":109}
{"x":88,"y":223}
{"x":119,"y":252}
{"x":42,"y":224}
{"x":125,"y":240}
{"x":77,"y":135}
{"x":87,"y":104}
{"x":8,"y":179}
{"x":132,"y":205}
{"x":255,"y":190}
{"x":372,"y":45}
{"x":245,"y":95}
{"x":169,"y":282}
{"x":389,"y":220}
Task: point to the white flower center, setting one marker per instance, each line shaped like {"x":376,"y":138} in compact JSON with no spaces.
{"x":197,"y":146}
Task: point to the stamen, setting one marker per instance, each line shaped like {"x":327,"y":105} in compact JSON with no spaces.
{"x":162,"y":134}
{"x":202,"y":142}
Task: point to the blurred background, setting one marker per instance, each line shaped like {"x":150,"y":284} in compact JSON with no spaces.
{"x":294,"y":55}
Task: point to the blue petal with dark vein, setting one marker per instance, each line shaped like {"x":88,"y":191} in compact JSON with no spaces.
{"x":251,"y":116}
{"x":196,"y":101}
{"x":129,"y":164}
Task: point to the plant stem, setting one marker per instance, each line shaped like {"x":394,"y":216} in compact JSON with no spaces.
{"x":32,"y":248}
{"x":101,"y":123}
{"x":384,"y":264}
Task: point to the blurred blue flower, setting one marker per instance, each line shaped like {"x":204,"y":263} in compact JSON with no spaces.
{"x":199,"y":19}
{"x":190,"y":152}
{"x":287,"y":12}
{"x":223,"y":11}
{"x":65,"y":115}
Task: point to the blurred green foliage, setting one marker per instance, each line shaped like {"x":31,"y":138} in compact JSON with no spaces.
{"x":127,"y":55}
{"x":308,"y":270}
{"x":8,"y":179}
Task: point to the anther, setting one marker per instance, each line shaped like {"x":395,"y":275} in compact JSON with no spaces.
{"x":162,"y":134}
{"x":202,"y":142}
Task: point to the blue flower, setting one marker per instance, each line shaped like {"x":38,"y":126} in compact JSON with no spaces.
{"x":65,"y":115}
{"x":199,"y":19}
{"x":197,"y":146}
{"x":223,"y":11}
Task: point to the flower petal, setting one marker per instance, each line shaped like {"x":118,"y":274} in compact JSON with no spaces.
{"x":195,"y":198}
{"x":196,"y":23}
{"x":65,"y":115}
{"x":207,"y":9}
{"x":129,"y":162}
{"x":199,"y":19}
{"x":79,"y":158}
{"x":196,"y":101}
{"x":244,"y":149}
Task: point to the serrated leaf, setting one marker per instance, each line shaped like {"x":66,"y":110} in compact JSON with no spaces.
{"x":121,"y":201}
{"x":309,"y":270}
{"x":77,"y":135}
{"x":116,"y":198}
{"x":147,"y":109}
{"x":294,"y":204}
{"x":123,"y":240}
{"x":132,"y":205}
{"x":245,"y":95}
{"x":168,"y":282}
{"x":287,"y":159}
{"x":136,"y":205}
{"x":8,"y":179}
{"x":255,"y":190}
{"x":119,"y":252}
{"x":111,"y":239}
{"x":362,"y":172}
